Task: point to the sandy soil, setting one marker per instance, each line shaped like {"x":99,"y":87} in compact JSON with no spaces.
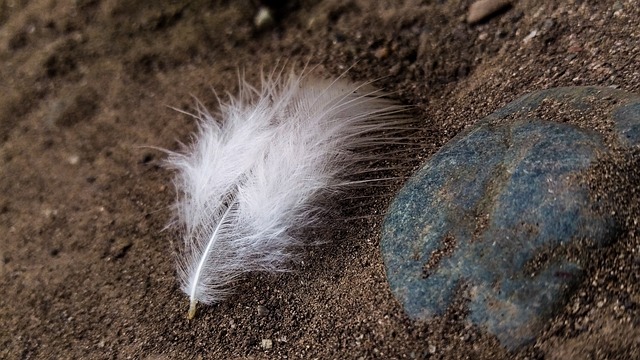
{"x":86,"y":269}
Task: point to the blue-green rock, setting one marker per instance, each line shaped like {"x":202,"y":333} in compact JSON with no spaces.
{"x":500,"y":217}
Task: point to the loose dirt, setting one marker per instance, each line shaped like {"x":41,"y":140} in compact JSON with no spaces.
{"x":86,"y":266}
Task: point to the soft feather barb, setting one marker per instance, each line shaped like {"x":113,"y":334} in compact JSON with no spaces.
{"x":253,"y":177}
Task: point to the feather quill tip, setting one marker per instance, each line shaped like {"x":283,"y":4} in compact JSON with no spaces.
{"x":192,"y":309}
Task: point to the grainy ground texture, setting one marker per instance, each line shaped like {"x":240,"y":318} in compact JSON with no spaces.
{"x":86,"y":267}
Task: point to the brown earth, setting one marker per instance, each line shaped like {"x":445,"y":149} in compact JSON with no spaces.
{"x":86,"y":270}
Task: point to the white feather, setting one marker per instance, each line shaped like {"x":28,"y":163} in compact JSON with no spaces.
{"x":247,"y":184}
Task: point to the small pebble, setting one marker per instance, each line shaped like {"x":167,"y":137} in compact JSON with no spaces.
{"x":73,"y":159}
{"x":531,"y":35}
{"x":483,"y":9}
{"x":574,"y":49}
{"x":381,"y":53}
{"x":266,"y":344}
{"x":263,"y":19}
{"x":262,"y":311}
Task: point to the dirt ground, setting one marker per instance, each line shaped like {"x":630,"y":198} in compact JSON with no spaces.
{"x":86,"y":267}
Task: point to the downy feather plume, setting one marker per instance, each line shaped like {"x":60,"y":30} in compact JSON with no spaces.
{"x":253,"y":175}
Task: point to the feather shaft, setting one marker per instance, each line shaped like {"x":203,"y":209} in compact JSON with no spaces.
{"x":193,"y":301}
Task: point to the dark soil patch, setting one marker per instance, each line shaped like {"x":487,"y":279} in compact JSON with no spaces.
{"x":86,"y":270}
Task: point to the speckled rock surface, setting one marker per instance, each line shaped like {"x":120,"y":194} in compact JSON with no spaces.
{"x":499,"y":216}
